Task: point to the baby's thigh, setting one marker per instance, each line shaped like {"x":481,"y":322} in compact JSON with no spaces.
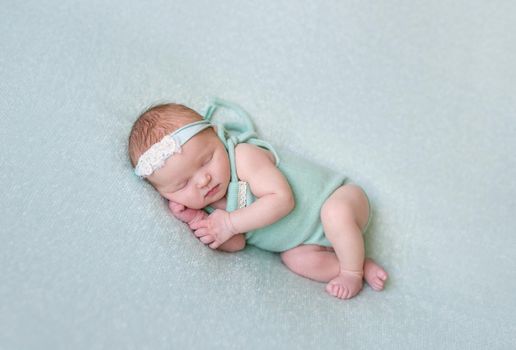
{"x":347,"y":201}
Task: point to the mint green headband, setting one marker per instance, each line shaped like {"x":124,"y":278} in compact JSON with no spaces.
{"x":155,"y":157}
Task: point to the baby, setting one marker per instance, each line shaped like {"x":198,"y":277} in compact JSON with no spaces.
{"x":232,"y":189}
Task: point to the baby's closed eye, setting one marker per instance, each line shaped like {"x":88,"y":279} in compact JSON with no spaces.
{"x":177,"y":187}
{"x":208,"y":159}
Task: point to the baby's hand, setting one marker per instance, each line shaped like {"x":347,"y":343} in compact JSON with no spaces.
{"x":215,"y":229}
{"x":185,"y":214}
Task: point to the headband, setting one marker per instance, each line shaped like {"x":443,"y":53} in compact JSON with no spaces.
{"x":155,"y":157}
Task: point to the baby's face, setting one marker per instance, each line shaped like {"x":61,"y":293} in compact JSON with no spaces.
{"x":187,"y":177}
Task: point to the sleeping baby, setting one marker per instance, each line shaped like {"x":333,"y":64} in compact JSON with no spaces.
{"x":233,"y":189}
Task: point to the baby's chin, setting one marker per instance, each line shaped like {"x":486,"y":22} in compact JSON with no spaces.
{"x":210,"y":201}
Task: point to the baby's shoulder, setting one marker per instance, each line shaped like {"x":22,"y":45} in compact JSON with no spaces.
{"x":248,"y":151}
{"x":250,"y":158}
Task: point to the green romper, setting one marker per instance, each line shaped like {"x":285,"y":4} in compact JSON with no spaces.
{"x":311,"y":185}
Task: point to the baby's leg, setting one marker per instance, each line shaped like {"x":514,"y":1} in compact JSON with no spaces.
{"x":321,"y":264}
{"x":312,"y":261}
{"x":344,"y":216}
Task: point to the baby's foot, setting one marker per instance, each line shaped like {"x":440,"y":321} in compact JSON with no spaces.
{"x":346,"y":285}
{"x":374,"y":275}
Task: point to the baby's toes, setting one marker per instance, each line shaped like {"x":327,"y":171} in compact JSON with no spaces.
{"x":377,"y":284}
{"x":382,"y":275}
{"x":335,"y":290}
{"x":338,"y":291}
{"x":379,"y":281}
{"x":343,"y":293}
{"x":331,"y":289}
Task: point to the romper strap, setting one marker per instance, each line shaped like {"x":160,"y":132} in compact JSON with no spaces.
{"x":231,"y":134}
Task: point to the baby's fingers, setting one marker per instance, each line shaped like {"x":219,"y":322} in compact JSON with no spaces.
{"x":207,"y":239}
{"x":201,"y":232}
{"x":198,"y":224}
{"x":176,"y":207}
{"x":214,"y":245}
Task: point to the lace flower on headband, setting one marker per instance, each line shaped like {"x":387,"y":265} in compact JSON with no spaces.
{"x":154,"y":158}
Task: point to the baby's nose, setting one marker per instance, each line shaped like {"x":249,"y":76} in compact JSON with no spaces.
{"x":204,"y":180}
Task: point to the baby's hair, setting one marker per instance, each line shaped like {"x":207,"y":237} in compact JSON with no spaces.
{"x":156,"y":122}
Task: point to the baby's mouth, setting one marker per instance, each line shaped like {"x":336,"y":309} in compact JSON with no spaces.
{"x":212,"y":191}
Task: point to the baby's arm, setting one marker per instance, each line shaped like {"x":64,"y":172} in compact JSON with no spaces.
{"x":272,"y":190}
{"x":191,"y":216}
{"x":275,"y":199}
